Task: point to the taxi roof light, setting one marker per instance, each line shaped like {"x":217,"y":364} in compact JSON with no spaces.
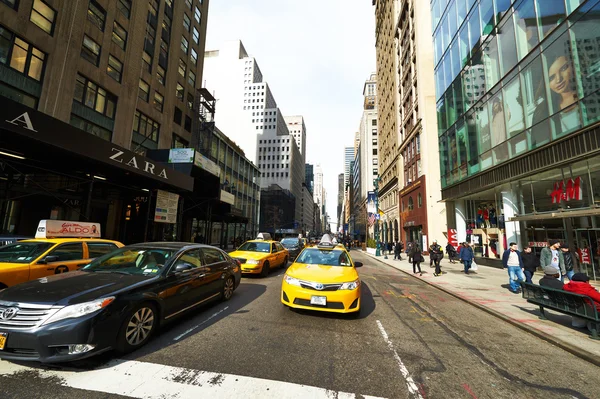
{"x":326,"y":242}
{"x":264,"y":236}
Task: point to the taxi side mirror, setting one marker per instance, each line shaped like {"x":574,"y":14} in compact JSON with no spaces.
{"x":48,"y":259}
{"x":358,"y":264}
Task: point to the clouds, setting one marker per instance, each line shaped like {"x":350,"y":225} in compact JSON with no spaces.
{"x":315,"y":55}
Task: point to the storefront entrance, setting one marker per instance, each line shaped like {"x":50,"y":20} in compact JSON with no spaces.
{"x":588,"y":244}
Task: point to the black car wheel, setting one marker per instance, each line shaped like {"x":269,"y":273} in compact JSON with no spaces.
{"x":285,"y":262}
{"x":265,"y":269}
{"x":138,"y":327}
{"x":228,"y":287}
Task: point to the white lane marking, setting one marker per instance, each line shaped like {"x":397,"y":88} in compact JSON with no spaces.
{"x":156,"y":381}
{"x":410,"y":383}
{"x":177,"y":338}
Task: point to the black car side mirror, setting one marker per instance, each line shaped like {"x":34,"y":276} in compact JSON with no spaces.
{"x":48,"y":259}
{"x":358,"y":264}
{"x":182,"y":267}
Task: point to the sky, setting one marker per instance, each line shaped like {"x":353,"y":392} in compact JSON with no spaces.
{"x":316,"y":56}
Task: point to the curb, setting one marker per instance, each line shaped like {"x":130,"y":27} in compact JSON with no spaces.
{"x":587,"y":356}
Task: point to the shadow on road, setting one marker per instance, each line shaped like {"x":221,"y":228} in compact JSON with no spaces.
{"x":367,"y":306}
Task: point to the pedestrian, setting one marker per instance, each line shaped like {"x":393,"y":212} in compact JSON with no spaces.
{"x":552,"y":256}
{"x":511,"y":260}
{"x":580,"y":284}
{"x":571,"y":262}
{"x":435,"y":255}
{"x":409,"y":247}
{"x":451,"y":251}
{"x":390,"y":247}
{"x":466,"y":256}
{"x":397,"y":251}
{"x":530,"y":264}
{"x":417,"y":257}
{"x":551,"y":279}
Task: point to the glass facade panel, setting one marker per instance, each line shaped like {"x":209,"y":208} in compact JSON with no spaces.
{"x":508,"y":47}
{"x":526,"y":27}
{"x":486,"y":8}
{"x":550,"y":14}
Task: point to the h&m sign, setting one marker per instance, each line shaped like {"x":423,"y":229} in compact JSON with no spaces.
{"x":567,"y":192}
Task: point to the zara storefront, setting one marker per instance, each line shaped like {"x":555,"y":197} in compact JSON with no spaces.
{"x":518,"y":105}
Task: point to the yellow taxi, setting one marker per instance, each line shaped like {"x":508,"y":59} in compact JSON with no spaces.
{"x":52,"y":251}
{"x":323,"y":278}
{"x":261,"y":255}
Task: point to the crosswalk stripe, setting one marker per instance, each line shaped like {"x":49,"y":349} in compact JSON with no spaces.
{"x":155,"y":381}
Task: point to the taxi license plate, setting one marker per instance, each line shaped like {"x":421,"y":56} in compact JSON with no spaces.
{"x":318,"y":300}
{"x":3,"y":337}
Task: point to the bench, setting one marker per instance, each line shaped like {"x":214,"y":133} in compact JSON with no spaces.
{"x":563,"y":301}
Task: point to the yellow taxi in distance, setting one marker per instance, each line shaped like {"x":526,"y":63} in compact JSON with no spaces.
{"x":259,"y":256}
{"x":40,"y":257}
{"x":323,"y":278}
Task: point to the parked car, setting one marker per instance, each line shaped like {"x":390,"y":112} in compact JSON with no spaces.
{"x":117,"y":301}
{"x":294,"y":246}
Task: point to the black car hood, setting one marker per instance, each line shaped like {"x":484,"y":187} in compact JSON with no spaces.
{"x":72,"y":288}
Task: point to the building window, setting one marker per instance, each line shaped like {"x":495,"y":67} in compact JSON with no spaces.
{"x":177,"y":115}
{"x":186,"y":22}
{"x":418,"y":143}
{"x":160,"y":74}
{"x":164,"y":49}
{"x":158,"y":101}
{"x":374,"y":122}
{"x":146,"y":126}
{"x":166,"y":23}
{"x":179,"y":92}
{"x":196,"y":35}
{"x":95,"y":97}
{"x":182,"y":68}
{"x":11,"y":3}
{"x":194,"y":56}
{"x":179,"y":142}
{"x":96,"y":15}
{"x":125,"y":7}
{"x":192,"y":79}
{"x":419,"y":200}
{"x":119,"y":35}
{"x":197,"y":15}
{"x":24,"y":58}
{"x":43,"y":16}
{"x":184,"y":45}
{"x":114,"y":68}
{"x":90,"y":50}
{"x":146,"y":61}
{"x":190,"y":101}
{"x":188,"y":124}
{"x":90,"y":127}
{"x":144,"y":90}
{"x":188,"y":3}
{"x":154,"y":6}
{"x":150,"y":35}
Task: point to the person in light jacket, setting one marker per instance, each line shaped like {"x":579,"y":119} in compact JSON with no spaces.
{"x":552,"y":256}
{"x":511,"y":260}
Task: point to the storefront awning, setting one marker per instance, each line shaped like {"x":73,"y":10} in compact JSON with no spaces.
{"x":557,"y":215}
{"x":30,"y":134}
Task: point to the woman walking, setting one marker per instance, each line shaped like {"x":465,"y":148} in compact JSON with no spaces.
{"x":466,"y":256}
{"x":417,"y":257}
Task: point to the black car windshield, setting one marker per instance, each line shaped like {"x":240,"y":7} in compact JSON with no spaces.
{"x":255,"y":247}
{"x":23,"y":252}
{"x":290,"y":242}
{"x":328,"y":257}
{"x":140,"y":261}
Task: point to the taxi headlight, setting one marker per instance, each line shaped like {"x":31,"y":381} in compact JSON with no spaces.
{"x":81,"y":309}
{"x":291,"y":280}
{"x":253,"y":261}
{"x":350,"y":286}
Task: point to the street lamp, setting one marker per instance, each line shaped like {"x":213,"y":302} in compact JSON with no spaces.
{"x":376,"y":186}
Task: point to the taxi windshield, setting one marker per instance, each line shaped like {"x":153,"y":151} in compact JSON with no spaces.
{"x":23,"y":252}
{"x":255,"y":247}
{"x":140,"y":261}
{"x":328,"y":257}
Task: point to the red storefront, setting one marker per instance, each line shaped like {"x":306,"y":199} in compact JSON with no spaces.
{"x":413,"y":206}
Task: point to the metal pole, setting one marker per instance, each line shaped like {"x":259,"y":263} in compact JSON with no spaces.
{"x":147,"y":216}
{"x":88,"y":205}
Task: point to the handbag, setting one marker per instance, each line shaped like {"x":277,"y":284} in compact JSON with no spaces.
{"x":474,"y":265}
{"x":422,"y":259}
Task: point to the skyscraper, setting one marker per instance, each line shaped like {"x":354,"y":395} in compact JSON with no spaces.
{"x":348,"y":157}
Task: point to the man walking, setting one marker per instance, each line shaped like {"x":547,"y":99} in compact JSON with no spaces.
{"x":511,"y":259}
{"x":552,"y":256}
{"x":398,"y":250}
{"x":466,"y":256}
{"x":436,"y":254}
{"x":530,"y":264}
{"x":409,"y":247}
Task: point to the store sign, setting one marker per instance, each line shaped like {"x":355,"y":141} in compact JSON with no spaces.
{"x":204,"y":163}
{"x":453,"y":238}
{"x":166,"y":207}
{"x":131,"y":159}
{"x":65,"y":228}
{"x":227,"y":197}
{"x":584,"y":255}
{"x":567,"y":192}
{"x":537,"y":244}
{"x":181,"y":155}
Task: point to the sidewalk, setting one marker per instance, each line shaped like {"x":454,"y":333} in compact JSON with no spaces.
{"x":483,"y":288}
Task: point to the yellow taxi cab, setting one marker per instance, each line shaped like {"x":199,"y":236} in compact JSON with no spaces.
{"x":323,"y":278}
{"x":58,"y":247}
{"x":261,"y":255}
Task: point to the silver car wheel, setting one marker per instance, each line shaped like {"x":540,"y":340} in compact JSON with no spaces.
{"x":139,"y":326}
{"x":228,"y":288}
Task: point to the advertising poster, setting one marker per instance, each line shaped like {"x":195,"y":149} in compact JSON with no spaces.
{"x":65,"y":228}
{"x":166,"y":207}
{"x":453,"y":238}
{"x":371,"y":208}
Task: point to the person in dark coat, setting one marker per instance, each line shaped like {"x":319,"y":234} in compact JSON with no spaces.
{"x":390,"y":247}
{"x":409,"y":247}
{"x":416,"y":255}
{"x":436,"y":254}
{"x":466,"y":256}
{"x":571,"y":263}
{"x":530,"y":264}
{"x":551,"y":278}
{"x":398,"y":250}
{"x":451,"y":251}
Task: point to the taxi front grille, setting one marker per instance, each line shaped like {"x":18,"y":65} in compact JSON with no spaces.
{"x":326,"y":287}
{"x":242,"y":260}
{"x":26,"y":315}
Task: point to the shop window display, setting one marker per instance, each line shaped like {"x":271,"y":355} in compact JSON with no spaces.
{"x":485,"y":227}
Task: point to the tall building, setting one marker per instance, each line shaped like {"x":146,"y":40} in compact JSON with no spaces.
{"x":309,"y":177}
{"x":248,"y":112}
{"x":319,"y":192}
{"x":423,"y":216}
{"x":386,"y":18}
{"x":348,"y":157}
{"x":340,"y":199}
{"x":297,"y":129}
{"x":68,"y":73}
{"x":307,"y":218}
{"x":520,"y":161}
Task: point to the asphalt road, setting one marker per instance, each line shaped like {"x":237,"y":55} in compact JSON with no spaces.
{"x":410,"y":341}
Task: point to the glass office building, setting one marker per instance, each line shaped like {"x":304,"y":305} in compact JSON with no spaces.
{"x":518,"y":104}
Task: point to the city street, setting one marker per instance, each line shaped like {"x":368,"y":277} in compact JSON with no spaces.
{"x":410,"y":341}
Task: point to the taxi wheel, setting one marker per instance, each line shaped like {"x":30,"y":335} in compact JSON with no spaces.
{"x":137,"y":328}
{"x":285,"y":262}
{"x":265,"y":269}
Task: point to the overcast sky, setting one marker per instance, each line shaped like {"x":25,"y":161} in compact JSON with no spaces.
{"x":316,"y":56}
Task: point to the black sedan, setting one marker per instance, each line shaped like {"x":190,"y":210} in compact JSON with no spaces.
{"x":116,"y":302}
{"x":294,"y":246}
